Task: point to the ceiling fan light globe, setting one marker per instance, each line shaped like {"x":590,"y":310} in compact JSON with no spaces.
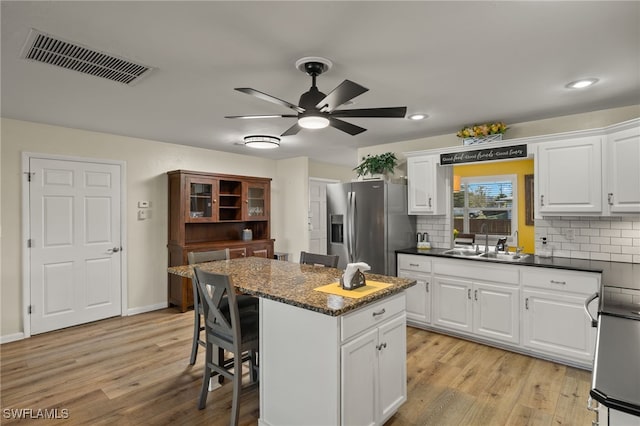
{"x":313,"y":122}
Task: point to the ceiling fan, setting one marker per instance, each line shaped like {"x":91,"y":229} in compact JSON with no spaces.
{"x":315,"y":110}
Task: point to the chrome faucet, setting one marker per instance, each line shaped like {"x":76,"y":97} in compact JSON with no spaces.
{"x":518,"y":248}
{"x":485,"y":229}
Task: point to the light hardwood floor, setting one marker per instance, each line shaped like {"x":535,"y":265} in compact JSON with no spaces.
{"x":135,"y":370}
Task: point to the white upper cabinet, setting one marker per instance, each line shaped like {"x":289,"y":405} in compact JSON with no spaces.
{"x":622,"y":157}
{"x":569,"y":176}
{"x":427,"y":185}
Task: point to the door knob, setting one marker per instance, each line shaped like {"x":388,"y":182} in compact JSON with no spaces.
{"x":113,"y":250}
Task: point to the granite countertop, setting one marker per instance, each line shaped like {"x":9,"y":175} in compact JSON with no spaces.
{"x":293,"y":283}
{"x":614,"y":274}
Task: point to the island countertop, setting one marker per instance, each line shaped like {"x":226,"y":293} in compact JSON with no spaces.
{"x":294,"y":283}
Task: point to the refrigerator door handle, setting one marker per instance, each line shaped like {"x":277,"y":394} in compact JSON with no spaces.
{"x":354,"y":235}
{"x":350,"y":226}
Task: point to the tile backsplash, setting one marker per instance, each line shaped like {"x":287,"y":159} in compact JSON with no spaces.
{"x":438,"y":227}
{"x":615,"y":239}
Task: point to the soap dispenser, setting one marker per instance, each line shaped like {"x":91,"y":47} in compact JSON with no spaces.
{"x":545,"y":250}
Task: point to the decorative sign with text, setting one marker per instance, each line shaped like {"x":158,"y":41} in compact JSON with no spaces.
{"x":489,"y":154}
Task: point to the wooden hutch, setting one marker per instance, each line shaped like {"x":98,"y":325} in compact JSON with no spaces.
{"x":209,"y":211}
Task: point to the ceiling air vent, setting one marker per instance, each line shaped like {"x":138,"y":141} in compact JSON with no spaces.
{"x":52,"y":50}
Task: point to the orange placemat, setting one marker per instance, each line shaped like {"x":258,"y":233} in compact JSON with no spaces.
{"x":370,"y":287}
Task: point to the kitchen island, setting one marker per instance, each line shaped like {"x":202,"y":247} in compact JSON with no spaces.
{"x":324,"y":358}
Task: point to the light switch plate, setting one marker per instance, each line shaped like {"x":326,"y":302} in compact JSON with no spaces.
{"x":570,"y":234}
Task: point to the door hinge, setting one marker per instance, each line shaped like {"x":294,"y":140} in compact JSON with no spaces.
{"x":29,"y":175}
{"x":30,"y":309}
{"x":29,"y":243}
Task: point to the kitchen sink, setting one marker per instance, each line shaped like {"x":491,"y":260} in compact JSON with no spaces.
{"x":509,"y":257}
{"x":506,"y":257}
{"x":461,"y":252}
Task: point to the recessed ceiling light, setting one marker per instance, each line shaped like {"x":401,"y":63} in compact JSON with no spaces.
{"x":262,"y":141}
{"x":417,"y":116}
{"x":581,"y":84}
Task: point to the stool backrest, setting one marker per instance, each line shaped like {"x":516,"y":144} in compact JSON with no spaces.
{"x":330,"y":260}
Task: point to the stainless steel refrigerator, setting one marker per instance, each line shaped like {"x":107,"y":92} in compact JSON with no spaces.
{"x":367,"y":222}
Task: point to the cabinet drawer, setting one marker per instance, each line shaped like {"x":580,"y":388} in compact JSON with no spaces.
{"x":412,"y":262}
{"x":554,"y":279}
{"x":369,"y":316}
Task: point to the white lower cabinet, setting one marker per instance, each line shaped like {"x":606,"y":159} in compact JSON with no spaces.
{"x":419,"y":296}
{"x":373,"y":365}
{"x":496,"y":312}
{"x":536,"y":310}
{"x":554,"y":320}
{"x":452,"y":304}
{"x":487,"y":310}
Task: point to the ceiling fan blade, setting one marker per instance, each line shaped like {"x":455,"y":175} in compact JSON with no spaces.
{"x":391,"y":112}
{"x":269,"y":98}
{"x":345,"y":91}
{"x":261,"y":116}
{"x":352,"y":129}
{"x":293,"y":130}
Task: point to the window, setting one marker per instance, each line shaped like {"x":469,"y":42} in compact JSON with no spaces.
{"x":486,"y":199}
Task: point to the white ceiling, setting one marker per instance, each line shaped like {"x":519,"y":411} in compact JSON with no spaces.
{"x":460,"y":62}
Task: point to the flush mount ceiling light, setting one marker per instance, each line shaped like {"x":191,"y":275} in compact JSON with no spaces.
{"x":262,"y":142}
{"x":417,"y":116}
{"x":581,"y":84}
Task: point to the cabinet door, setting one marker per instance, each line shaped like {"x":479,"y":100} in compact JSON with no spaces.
{"x":256,"y":201}
{"x":201,"y":199}
{"x":452,"y":303}
{"x":418,"y":297}
{"x":359,"y":373}
{"x":623,"y":173}
{"x":426,"y":185}
{"x":556,"y":323}
{"x":496,"y":312}
{"x":392,"y":362}
{"x":569,"y":176}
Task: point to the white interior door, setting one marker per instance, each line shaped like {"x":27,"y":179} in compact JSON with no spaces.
{"x":318,"y":216}
{"x":75,"y":243}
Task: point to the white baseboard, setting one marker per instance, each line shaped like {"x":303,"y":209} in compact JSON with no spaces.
{"x":11,"y":338}
{"x":133,"y":311}
{"x":149,"y":308}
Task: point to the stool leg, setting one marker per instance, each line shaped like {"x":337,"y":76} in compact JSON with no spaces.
{"x":206,"y":376}
{"x":237,"y":385}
